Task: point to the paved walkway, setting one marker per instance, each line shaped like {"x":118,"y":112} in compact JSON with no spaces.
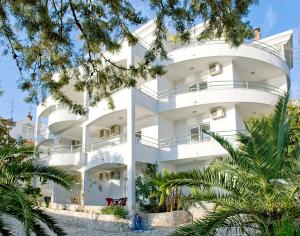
{"x":78,"y":231}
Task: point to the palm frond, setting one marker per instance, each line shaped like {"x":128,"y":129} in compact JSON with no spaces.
{"x":211,"y":223}
{"x":49,"y":221}
{"x":27,"y":170}
{"x":5,"y":230}
{"x":280,"y":124}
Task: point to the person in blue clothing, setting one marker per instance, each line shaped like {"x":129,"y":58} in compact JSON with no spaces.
{"x":138,"y":221}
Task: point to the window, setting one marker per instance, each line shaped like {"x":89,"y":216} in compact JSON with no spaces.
{"x":198,"y":86}
{"x":109,"y":175}
{"x":27,"y":132}
{"x":101,"y":176}
{"x":138,"y":135}
{"x":193,"y":88}
{"x":203,"y":85}
{"x":195,"y":132}
{"x":204,"y":136}
{"x":114,"y":175}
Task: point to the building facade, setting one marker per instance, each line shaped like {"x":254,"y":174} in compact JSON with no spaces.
{"x":208,"y":86}
{"x":21,"y":129}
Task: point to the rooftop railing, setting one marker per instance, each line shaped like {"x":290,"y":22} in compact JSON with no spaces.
{"x":170,"y":46}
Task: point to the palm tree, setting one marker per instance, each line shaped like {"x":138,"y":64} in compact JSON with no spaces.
{"x":256,"y":187}
{"x":18,"y":196}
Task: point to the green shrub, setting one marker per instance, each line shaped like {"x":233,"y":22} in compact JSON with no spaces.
{"x":117,"y":211}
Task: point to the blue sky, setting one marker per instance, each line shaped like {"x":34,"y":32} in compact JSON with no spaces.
{"x":273,"y":16}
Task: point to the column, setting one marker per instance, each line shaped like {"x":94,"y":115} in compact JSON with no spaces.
{"x":85,"y":128}
{"x":36,"y":130}
{"x":85,"y":139}
{"x":83,"y":186}
{"x":131,"y":171}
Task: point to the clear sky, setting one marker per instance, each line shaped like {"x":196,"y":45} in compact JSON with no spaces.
{"x":273,"y":16}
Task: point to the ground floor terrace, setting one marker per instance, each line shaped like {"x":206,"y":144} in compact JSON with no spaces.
{"x":109,"y":183}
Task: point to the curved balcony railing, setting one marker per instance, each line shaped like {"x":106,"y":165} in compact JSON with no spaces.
{"x":64,"y":149}
{"x":109,"y":142}
{"x":43,"y":131}
{"x":170,"y":46}
{"x":230,"y":135}
{"x":216,"y":85}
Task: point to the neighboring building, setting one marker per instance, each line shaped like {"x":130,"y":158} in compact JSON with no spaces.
{"x":22,"y":129}
{"x":209,"y":86}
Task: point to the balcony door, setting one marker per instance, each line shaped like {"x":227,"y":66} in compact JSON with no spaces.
{"x":197,"y":133}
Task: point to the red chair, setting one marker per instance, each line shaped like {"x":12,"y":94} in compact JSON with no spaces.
{"x":109,"y":201}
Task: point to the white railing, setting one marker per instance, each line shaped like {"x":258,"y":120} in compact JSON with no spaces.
{"x":149,"y":92}
{"x":146,"y":140}
{"x":64,"y":149}
{"x":230,"y":135}
{"x":43,"y":131}
{"x":218,"y":85}
{"x":170,"y":46}
{"x":109,"y":142}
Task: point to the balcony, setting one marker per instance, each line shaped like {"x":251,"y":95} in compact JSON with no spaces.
{"x":213,"y":92}
{"x":61,"y":118}
{"x":188,"y":147}
{"x":195,"y":49}
{"x":65,"y":155}
{"x":146,"y":148}
{"x":171,"y":46}
{"x":44,"y":136}
{"x":111,"y":150}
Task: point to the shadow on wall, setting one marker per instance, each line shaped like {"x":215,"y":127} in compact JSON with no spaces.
{"x":104,"y":157}
{"x":97,"y":190}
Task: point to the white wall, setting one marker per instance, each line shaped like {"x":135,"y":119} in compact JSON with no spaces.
{"x":192,"y":165}
{"x":278,"y":82}
{"x":17,"y":131}
{"x":227,"y":123}
{"x":164,"y":84}
{"x":166,"y":127}
{"x":109,"y":188}
{"x":62,"y":196}
{"x":223,"y":124}
{"x":148,"y":126}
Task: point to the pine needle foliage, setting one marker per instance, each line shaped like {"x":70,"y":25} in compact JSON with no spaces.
{"x":255,"y":187}
{"x":72,"y":39}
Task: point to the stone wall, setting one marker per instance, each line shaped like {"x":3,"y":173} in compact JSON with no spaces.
{"x":167,"y":219}
{"x":93,"y":221}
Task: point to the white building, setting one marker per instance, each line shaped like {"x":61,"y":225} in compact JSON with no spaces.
{"x":22,"y":129}
{"x":209,"y":86}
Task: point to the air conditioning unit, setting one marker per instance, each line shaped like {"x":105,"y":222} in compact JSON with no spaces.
{"x":115,"y":130}
{"x":217,"y":113}
{"x":104,"y":133}
{"x":215,"y":69}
